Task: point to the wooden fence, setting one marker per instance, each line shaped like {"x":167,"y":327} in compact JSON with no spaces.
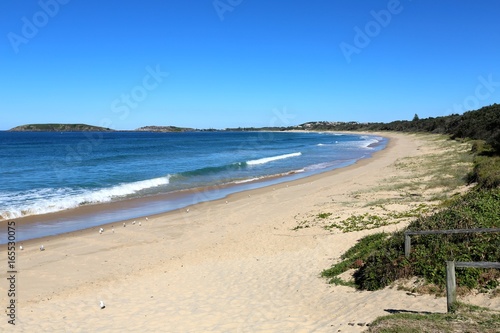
{"x":451,"y":285}
{"x":408,"y":233}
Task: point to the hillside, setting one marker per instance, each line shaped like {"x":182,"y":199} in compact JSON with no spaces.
{"x":59,"y":128}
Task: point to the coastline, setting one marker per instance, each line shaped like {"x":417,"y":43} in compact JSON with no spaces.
{"x":108,"y":213}
{"x":235,"y":266}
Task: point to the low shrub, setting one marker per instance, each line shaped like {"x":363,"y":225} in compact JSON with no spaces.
{"x":383,"y":256}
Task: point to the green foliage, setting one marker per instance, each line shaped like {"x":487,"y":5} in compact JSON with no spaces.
{"x":339,"y":282}
{"x":359,"y":222}
{"x":302,"y":225}
{"x":369,"y":221}
{"x":324,"y":215}
{"x":416,"y":212}
{"x":464,"y":318}
{"x":384,"y":262}
{"x":354,"y":257}
{"x":482,"y":124}
{"x":486,"y":172}
{"x":384,"y":265}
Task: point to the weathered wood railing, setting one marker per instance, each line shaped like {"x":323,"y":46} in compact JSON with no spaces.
{"x":408,"y":233}
{"x":451,"y":285}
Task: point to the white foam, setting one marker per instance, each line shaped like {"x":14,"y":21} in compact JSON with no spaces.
{"x":246,"y":180}
{"x":369,"y":141}
{"x":324,"y":165}
{"x":45,"y":201}
{"x":273,"y":158}
{"x":129,"y":188}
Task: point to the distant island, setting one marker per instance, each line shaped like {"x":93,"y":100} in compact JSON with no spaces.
{"x":91,"y":128}
{"x":59,"y":128}
{"x":165,"y":129}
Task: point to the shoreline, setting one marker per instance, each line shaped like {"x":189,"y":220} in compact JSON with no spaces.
{"x":117,"y":212}
{"x":93,"y":210}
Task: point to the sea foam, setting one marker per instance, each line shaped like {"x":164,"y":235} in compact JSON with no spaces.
{"x":272,"y":158}
{"x":45,"y":201}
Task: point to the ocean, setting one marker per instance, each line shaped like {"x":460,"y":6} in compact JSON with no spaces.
{"x":44,"y":173}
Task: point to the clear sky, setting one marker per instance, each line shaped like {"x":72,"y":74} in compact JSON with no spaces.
{"x":230,"y":63}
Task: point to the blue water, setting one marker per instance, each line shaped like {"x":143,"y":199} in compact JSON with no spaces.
{"x":51,"y":172}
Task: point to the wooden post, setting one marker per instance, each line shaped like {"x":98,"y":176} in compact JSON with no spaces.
{"x":407,"y":245}
{"x":451,"y":286}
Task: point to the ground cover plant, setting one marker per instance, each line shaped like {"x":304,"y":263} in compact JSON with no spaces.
{"x":465,"y":318}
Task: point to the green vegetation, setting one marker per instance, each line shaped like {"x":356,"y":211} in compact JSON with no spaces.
{"x":482,"y":124}
{"x":465,"y":318}
{"x":476,"y":209}
{"x":355,"y":257}
{"x":324,"y":215}
{"x":359,"y":222}
{"x":486,"y":171}
{"x":384,"y":263}
{"x":59,"y":128}
{"x":369,"y":221}
{"x":174,"y":129}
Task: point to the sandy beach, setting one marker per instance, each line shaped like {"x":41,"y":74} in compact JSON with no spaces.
{"x":232,"y":265}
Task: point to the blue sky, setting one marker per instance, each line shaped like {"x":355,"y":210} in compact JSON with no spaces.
{"x":230,"y":63}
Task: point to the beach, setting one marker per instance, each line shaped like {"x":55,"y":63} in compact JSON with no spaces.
{"x":238,"y":264}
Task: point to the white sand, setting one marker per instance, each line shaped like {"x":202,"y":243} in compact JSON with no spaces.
{"x":235,"y":267}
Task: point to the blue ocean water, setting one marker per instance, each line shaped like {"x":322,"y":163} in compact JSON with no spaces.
{"x":45,"y":172}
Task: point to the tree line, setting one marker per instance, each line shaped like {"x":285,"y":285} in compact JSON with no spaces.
{"x":482,"y":124}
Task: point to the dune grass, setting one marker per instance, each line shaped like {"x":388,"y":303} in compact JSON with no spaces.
{"x":464,"y":318}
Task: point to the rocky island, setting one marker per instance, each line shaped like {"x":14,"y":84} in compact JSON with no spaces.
{"x":59,"y":128}
{"x":164,"y":129}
